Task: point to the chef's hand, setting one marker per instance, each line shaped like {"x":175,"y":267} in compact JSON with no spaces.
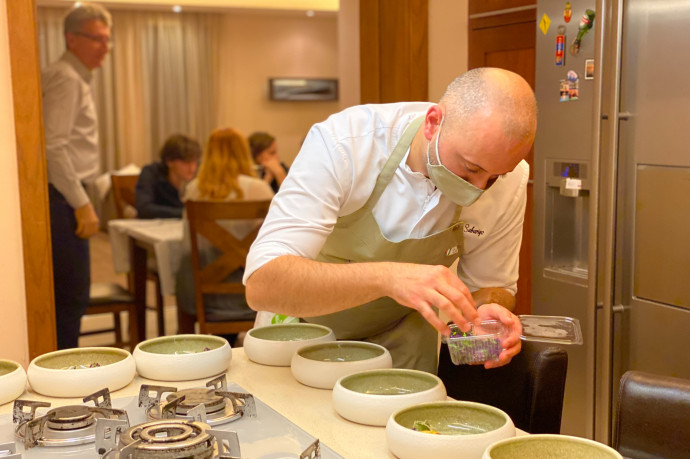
{"x":423,"y":287}
{"x":87,"y":221}
{"x":512,"y":329}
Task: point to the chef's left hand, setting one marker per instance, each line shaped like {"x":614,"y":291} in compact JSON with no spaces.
{"x":512,"y":329}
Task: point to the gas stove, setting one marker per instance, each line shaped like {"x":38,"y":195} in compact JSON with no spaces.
{"x":219,"y":421}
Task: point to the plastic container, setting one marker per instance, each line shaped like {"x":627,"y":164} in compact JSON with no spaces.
{"x":483,"y":342}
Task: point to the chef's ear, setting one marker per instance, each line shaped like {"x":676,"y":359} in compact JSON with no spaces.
{"x":432,"y":121}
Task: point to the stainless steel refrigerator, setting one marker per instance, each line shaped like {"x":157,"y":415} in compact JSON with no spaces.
{"x":612,"y":194}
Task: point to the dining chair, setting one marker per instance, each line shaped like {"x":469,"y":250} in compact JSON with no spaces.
{"x":652,"y":416}
{"x":112,"y":298}
{"x":212,"y":276}
{"x":124,"y":193}
{"x":529,"y":389}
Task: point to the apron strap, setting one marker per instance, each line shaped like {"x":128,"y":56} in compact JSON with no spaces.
{"x":393,"y":161}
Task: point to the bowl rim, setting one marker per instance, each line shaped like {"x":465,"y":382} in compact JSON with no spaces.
{"x":355,"y":343}
{"x":438,"y":380}
{"x":536,"y":437}
{"x":18,"y":367}
{"x":172,"y":337}
{"x":291,"y":325}
{"x":465,"y":403}
{"x":116,"y":350}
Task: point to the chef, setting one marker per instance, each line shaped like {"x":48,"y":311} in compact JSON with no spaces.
{"x":383,"y":199}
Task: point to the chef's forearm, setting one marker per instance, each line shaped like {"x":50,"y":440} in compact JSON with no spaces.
{"x":304,"y":288}
{"x":494,"y":295}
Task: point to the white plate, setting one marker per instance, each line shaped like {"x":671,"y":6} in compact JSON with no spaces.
{"x":182,"y":357}
{"x":370,"y":397}
{"x":12,"y":381}
{"x":275,"y":344}
{"x":66,"y":373}
{"x":321,"y":365}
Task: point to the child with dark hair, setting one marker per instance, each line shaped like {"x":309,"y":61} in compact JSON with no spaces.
{"x":161,"y":183}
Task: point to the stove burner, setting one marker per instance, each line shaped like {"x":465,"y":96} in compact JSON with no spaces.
{"x":67,"y":425}
{"x":171,"y":439}
{"x":209,"y":405}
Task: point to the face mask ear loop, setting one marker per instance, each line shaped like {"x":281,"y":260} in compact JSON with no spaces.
{"x":438,"y":136}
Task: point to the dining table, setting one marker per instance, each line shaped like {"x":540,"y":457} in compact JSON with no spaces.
{"x":132,"y":240}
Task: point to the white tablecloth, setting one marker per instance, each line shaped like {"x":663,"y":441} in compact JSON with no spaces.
{"x":163,"y":235}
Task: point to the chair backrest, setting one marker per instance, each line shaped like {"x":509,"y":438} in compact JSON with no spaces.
{"x":124,"y":187}
{"x":212,"y":277}
{"x":653,"y":416}
{"x":529,"y":389}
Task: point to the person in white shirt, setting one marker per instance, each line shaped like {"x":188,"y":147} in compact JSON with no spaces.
{"x":71,"y":137}
{"x":380,"y":202}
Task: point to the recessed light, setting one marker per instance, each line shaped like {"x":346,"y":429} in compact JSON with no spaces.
{"x":310,"y":13}
{"x":177,"y":9}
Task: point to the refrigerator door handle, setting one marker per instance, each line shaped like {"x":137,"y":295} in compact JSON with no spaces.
{"x":624,"y":116}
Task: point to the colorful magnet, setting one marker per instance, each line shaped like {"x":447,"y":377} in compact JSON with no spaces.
{"x":564,"y":91}
{"x":586,"y":23}
{"x":589,"y":69}
{"x":568,"y":12}
{"x":544,"y":24}
{"x":573,"y":85}
{"x":560,"y":46}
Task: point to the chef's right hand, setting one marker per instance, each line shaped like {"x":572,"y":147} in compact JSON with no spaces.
{"x":423,"y":287}
{"x":87,"y":221}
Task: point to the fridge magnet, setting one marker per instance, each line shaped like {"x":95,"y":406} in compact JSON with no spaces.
{"x":560,"y":46}
{"x":544,"y":24}
{"x":568,"y":12}
{"x":586,"y":23}
{"x":589,"y":69}
{"x":564,"y":91}
{"x":573,"y":85}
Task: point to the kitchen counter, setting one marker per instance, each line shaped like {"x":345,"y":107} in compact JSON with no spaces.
{"x":309,"y":408}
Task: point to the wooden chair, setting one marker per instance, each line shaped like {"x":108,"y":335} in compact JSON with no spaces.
{"x":112,"y":298}
{"x":653,"y":416}
{"x":212,"y":277}
{"x":124,"y":192}
{"x":529,"y":389}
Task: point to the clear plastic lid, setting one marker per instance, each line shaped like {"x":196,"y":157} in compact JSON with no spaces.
{"x":551,"y":329}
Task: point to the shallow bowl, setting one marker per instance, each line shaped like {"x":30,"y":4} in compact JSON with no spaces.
{"x":546,"y":446}
{"x":275,"y":344}
{"x":321,"y":365}
{"x":465,"y":427}
{"x":12,"y":381}
{"x":80,"y":372}
{"x":182,"y":357}
{"x":370,"y":397}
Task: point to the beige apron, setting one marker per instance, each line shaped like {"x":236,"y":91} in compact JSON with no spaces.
{"x":411,"y":340}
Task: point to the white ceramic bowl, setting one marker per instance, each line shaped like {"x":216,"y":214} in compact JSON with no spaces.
{"x":370,"y":397}
{"x":544,"y":446}
{"x":321,"y":365}
{"x":182,"y":357}
{"x":12,"y":381}
{"x":465,"y":429}
{"x":68,"y":373}
{"x":275,"y":344}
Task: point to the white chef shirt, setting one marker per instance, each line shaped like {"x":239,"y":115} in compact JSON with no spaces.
{"x":71,"y":128}
{"x":335,"y":173}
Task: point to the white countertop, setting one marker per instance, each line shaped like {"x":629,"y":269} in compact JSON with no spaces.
{"x":309,"y":408}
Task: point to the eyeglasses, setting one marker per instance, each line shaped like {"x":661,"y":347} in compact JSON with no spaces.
{"x":97,"y":38}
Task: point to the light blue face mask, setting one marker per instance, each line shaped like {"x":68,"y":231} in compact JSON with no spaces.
{"x":457,"y":189}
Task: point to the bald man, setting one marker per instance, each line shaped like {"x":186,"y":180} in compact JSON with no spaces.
{"x":383,"y":199}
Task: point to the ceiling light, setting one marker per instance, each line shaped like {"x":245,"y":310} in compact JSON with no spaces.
{"x":177,"y":9}
{"x":310,"y":13}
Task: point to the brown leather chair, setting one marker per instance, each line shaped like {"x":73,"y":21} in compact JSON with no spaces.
{"x":124,"y":192}
{"x":529,"y":389}
{"x":212,"y":277}
{"x":653,"y":417}
{"x":112,"y":298}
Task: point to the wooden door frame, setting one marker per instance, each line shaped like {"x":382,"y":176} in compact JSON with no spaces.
{"x":32,"y":173}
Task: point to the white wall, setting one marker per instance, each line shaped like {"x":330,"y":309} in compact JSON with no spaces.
{"x":13,"y":331}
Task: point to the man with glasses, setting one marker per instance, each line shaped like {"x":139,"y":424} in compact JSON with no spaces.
{"x":383,"y":199}
{"x":71,"y":136}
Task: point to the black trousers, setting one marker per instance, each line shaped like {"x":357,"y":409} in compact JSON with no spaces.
{"x":71,"y":270}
